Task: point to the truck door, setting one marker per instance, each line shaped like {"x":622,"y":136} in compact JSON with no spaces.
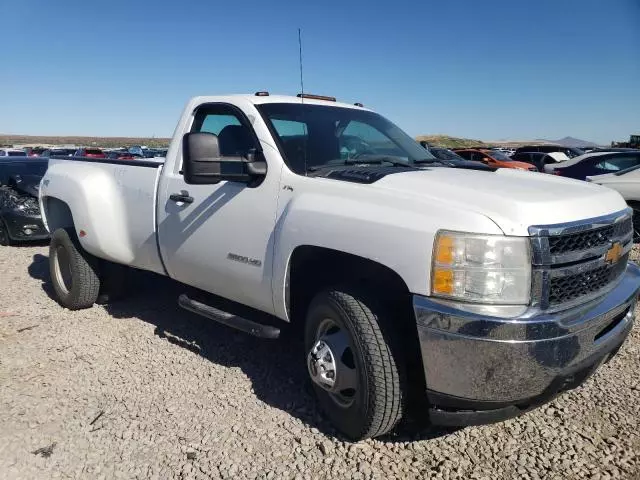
{"x":220,"y":239}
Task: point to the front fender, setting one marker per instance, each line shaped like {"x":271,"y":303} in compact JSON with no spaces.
{"x":395,"y":234}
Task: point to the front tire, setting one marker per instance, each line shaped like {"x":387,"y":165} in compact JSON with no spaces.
{"x":354,"y":363}
{"x":73,"y":271}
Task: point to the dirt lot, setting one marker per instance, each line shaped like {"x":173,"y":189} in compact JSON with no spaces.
{"x":142,"y":389}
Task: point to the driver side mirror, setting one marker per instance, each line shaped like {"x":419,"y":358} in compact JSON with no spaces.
{"x":202,"y":163}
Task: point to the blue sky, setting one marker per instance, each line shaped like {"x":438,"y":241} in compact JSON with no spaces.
{"x":493,"y":69}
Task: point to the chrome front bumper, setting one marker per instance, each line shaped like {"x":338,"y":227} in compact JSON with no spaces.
{"x":482,"y":362}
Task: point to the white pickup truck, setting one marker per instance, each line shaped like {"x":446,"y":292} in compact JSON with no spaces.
{"x":504,"y":288}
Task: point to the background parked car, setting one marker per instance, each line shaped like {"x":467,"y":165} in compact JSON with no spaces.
{"x":596,"y":163}
{"x":507,"y":151}
{"x":58,"y":152}
{"x":493,"y":159}
{"x":452,"y":159}
{"x":12,"y":152}
{"x":89,"y":153}
{"x":161,"y":152}
{"x":35,"y":151}
{"x":570,"y":152}
{"x":120,"y":155}
{"x":20,"y":218}
{"x":627,"y":183}
{"x":613,"y":149}
{"x":540,"y":159}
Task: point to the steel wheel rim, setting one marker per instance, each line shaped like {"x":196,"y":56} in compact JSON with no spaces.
{"x":62,"y":269}
{"x":332,"y":349}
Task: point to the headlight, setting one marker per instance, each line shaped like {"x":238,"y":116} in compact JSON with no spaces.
{"x":481,"y":268}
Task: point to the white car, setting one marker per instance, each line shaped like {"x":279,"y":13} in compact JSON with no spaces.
{"x":627,"y":183}
{"x":499,"y":289}
{"x":12,"y":152}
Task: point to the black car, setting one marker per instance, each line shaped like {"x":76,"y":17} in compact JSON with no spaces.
{"x":596,"y":163}
{"x":537,"y":159}
{"x":58,"y":152}
{"x":570,"y":152}
{"x":452,"y":159}
{"x":20,"y":218}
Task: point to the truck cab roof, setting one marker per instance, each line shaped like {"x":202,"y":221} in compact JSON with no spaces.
{"x":263,"y":99}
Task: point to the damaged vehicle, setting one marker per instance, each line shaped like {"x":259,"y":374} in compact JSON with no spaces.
{"x":20,"y":218}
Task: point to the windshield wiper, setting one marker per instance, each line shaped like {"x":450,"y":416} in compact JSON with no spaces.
{"x":375,"y":159}
{"x":372,"y":159}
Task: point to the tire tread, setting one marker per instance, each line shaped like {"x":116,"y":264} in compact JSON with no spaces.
{"x":86,"y":281}
{"x":385,"y":404}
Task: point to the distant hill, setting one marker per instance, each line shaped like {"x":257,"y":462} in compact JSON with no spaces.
{"x":107,"y":142}
{"x":456,"y":142}
{"x":570,"y":142}
{"x":450,"y":142}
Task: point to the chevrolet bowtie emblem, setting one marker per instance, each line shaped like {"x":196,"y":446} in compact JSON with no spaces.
{"x":614,"y":253}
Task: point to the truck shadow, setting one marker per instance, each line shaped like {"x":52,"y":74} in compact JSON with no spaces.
{"x":276,"y":368}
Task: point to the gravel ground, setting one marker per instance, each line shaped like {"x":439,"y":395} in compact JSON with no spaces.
{"x":142,"y":389}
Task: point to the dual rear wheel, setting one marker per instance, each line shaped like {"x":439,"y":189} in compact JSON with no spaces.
{"x":79,"y":279}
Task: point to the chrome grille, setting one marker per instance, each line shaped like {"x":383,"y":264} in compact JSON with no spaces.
{"x":623,"y":228}
{"x":575,"y":262}
{"x":571,"y":287}
{"x":580,"y":241}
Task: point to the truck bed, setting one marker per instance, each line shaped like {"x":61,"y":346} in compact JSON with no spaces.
{"x":119,"y":218}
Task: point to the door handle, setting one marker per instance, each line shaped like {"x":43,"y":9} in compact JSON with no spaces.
{"x":181,"y":197}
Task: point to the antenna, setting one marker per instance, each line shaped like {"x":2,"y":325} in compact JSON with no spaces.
{"x":300,"y":60}
{"x":304,"y":123}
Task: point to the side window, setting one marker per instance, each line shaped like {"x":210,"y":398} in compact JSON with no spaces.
{"x":615,"y":164}
{"x":364,"y":139}
{"x":215,"y":123}
{"x":465,"y":155}
{"x":235,"y":137}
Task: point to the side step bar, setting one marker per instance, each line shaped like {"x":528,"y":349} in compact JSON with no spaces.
{"x":228,"y":319}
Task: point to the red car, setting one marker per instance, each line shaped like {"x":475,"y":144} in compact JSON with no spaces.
{"x":89,"y":152}
{"x":35,"y":151}
{"x":493,"y":158}
{"x":120,"y":155}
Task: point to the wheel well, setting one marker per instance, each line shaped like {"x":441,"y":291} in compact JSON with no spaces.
{"x":57,"y":214}
{"x":313,"y":268}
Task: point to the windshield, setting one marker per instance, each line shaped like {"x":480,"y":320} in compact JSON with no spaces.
{"x":574,"y":152}
{"x":445,"y":154}
{"x":313,"y":136}
{"x":500,"y":156}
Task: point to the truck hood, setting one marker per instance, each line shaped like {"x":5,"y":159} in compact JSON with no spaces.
{"x":513,"y":199}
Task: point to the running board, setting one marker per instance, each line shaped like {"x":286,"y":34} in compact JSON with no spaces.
{"x":228,"y":319}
